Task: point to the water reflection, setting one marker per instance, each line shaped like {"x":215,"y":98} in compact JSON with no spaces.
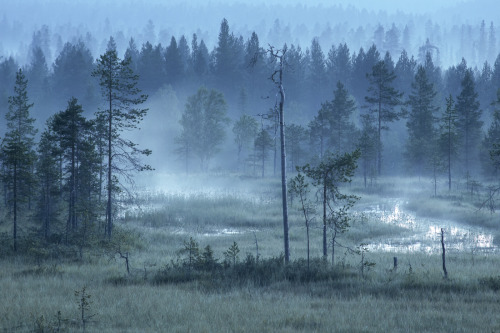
{"x":426,"y":232}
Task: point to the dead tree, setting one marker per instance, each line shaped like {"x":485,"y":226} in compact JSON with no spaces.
{"x":443,"y":255}
{"x":278,"y":56}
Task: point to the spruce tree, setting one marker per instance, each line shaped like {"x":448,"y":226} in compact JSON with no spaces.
{"x":342,"y":107}
{"x":421,"y":131}
{"x":17,"y":151}
{"x":469,"y":120}
{"x":490,"y":142}
{"x":72,"y":132}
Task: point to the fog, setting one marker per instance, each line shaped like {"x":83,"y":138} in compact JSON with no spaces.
{"x":295,"y":22}
{"x":458,"y":34}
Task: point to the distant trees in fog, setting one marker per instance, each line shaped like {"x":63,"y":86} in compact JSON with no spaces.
{"x":335,"y":96}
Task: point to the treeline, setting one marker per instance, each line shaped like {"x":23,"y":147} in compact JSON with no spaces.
{"x":398,"y":132}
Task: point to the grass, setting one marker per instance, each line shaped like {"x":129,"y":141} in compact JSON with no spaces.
{"x":414,"y":297}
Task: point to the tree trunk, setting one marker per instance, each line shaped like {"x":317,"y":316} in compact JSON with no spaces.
{"x":110,"y":160}
{"x":443,"y":255}
{"x":324,"y":219}
{"x":307,"y":230}
{"x":379,"y":143}
{"x":284,"y":191}
{"x":15,"y":206}
{"x":333,"y":247}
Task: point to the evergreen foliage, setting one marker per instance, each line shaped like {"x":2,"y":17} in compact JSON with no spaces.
{"x":17,"y":153}
{"x":121,"y":111}
{"x":382,"y":98}
{"x":420,"y":123}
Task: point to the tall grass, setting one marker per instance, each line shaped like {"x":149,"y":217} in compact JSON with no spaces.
{"x":263,"y":296}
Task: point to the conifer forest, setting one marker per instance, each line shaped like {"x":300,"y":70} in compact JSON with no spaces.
{"x":238,"y":166}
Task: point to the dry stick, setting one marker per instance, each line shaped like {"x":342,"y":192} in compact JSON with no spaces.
{"x":444,"y":259}
{"x":256,"y":247}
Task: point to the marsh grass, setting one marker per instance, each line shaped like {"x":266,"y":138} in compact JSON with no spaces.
{"x":159,"y":295}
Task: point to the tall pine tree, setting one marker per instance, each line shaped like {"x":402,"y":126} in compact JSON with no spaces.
{"x":383,"y":98}
{"x":121,"y":111}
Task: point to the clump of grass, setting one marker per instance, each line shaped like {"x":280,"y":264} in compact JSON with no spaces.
{"x":491,"y":282}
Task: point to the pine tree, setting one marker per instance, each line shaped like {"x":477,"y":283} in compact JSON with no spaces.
{"x":367,"y":145}
{"x":17,"y":151}
{"x":121,"y":112}
{"x":47,"y":174}
{"x":327,"y":177}
{"x":383,"y":98}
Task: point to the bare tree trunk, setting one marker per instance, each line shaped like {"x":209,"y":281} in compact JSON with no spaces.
{"x":324,"y":220}
{"x":444,"y":259}
{"x":15,"y":206}
{"x":333,"y":247}
{"x":279,"y":55}
{"x":283,"y":168}
{"x":109,"y":222}
{"x":379,"y":143}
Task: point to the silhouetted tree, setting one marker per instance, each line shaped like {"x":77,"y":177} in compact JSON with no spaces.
{"x":420,"y":123}
{"x":469,"y":120}
{"x":449,"y":135}
{"x":342,"y":106}
{"x":17,"y":151}
{"x":121,"y":111}
{"x":405,"y":72}
{"x":382,"y":98}
{"x":367,"y":145}
{"x":327,"y":177}
{"x":263,"y":144}
{"x":296,"y":135}
{"x":72,"y":73}
{"x":47,"y":174}
{"x":151,"y":67}
{"x":491,"y":139}
{"x":71,"y":131}
{"x":245,"y":131}
{"x":203,"y":125}
{"x":174,"y":62}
